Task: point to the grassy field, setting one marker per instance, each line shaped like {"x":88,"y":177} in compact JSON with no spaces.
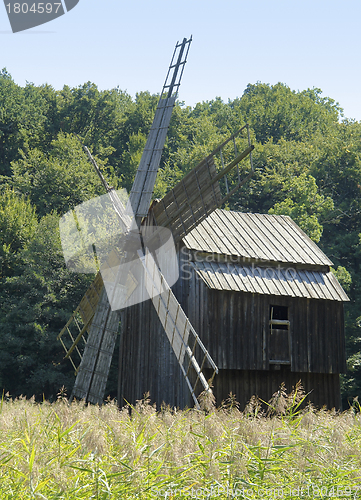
{"x":62,"y":451}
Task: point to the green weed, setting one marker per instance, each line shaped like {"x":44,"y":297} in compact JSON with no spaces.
{"x":77,"y":451}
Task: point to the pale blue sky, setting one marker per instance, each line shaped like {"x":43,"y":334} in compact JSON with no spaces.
{"x":308,"y":43}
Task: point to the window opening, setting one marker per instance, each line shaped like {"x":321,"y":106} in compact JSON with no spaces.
{"x":279,"y":329}
{"x":279,"y":317}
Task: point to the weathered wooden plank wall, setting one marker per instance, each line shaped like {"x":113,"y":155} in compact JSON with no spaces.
{"x":234,"y":326}
{"x":147,"y":361}
{"x":324,"y":387}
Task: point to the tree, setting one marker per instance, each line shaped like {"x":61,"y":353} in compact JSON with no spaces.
{"x":35,"y":303}
{"x":275,"y":111}
{"x":27,"y":116}
{"x":60,"y":179}
{"x":18,"y":223}
{"x":304,"y":205}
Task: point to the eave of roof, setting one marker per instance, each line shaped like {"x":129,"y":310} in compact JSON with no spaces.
{"x":270,"y":280}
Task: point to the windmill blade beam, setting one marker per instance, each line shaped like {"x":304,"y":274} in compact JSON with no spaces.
{"x":94,"y":367}
{"x":97,"y":169}
{"x":142,"y":190}
{"x":243,"y":181}
{"x":120,"y":210}
{"x":177,"y":208}
{"x":231,"y":138}
{"x":78,"y":338}
{"x":233,"y":163}
{"x":177,"y":65}
{"x":191,"y":390}
{"x":117,"y":204}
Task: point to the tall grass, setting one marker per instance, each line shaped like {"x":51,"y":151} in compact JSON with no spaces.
{"x":62,"y":451}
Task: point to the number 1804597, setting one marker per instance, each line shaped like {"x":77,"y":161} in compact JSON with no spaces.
{"x":34,"y":8}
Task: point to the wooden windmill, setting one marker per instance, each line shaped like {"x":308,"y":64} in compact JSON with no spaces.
{"x":137,"y":264}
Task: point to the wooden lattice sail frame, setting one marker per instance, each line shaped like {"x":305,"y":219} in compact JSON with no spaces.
{"x":193,"y":199}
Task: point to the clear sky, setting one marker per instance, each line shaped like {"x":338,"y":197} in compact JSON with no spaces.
{"x":302,"y":43}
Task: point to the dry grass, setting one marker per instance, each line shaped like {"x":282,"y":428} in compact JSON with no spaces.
{"x":62,"y":451}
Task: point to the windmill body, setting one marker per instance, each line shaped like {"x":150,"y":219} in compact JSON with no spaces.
{"x":228,"y":313}
{"x":262,"y":298}
{"x":133,"y":270}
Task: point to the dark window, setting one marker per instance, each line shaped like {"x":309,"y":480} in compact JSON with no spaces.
{"x":279,"y":336}
{"x":278,"y":316}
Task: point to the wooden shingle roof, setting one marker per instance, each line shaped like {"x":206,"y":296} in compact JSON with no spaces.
{"x":259,"y":253}
{"x":271,"y":238}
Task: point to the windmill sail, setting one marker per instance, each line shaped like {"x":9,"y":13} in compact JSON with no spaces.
{"x":142,"y":190}
{"x":94,"y":368}
{"x":128,"y":273}
{"x":198,"y":194}
{"x":76,"y":330}
{"x":93,"y":371}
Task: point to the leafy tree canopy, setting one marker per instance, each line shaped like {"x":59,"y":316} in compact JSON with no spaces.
{"x":59,"y":179}
{"x":18,"y":223}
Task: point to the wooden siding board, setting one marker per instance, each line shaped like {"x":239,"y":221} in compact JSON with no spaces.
{"x":315,"y":253}
{"x":151,"y":367}
{"x":342,"y":340}
{"x":313,"y":341}
{"x":234,"y":244}
{"x":258,"y":337}
{"x":276,"y":235}
{"x":329,"y":341}
{"x":299,"y":344}
{"x":262,"y":249}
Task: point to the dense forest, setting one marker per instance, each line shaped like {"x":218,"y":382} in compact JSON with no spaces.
{"x":307,"y":161}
